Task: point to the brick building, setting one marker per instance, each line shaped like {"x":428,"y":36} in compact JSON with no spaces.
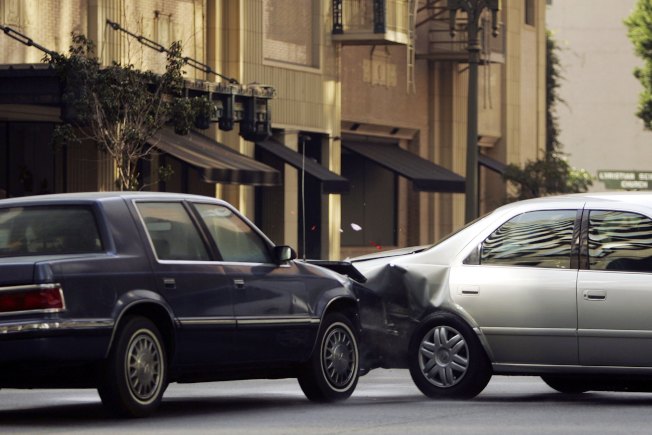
{"x":370,"y":100}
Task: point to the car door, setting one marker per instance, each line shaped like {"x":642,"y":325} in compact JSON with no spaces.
{"x":614,"y":290}
{"x":194,"y":285}
{"x":273,"y":303}
{"x":519,"y":285}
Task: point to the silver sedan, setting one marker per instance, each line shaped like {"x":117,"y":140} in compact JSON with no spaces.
{"x":557,"y":287}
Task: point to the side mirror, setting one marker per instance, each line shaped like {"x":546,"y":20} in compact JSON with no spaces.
{"x":283,"y":254}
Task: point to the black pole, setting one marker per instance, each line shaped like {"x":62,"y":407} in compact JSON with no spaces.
{"x":473,"y":9}
{"x":471,"y":199}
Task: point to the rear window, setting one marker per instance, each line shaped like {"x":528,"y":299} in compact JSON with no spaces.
{"x":48,"y":230}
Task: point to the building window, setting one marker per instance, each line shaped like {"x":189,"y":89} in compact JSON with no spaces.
{"x":529,"y":12}
{"x":290,"y":32}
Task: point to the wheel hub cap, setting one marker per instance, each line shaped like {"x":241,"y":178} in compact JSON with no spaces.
{"x":143,"y":366}
{"x":339,"y":357}
{"x":443,"y":356}
{"x":340,"y":360}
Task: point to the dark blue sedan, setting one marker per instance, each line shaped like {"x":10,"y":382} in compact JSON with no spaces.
{"x":127,"y":292}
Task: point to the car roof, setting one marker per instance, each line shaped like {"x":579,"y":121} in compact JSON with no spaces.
{"x":103,"y":196}
{"x":642,"y":198}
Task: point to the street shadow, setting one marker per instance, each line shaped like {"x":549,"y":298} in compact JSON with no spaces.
{"x":76,"y":416}
{"x":606,"y":398}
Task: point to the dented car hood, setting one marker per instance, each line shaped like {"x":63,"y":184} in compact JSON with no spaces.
{"x":413,"y":280}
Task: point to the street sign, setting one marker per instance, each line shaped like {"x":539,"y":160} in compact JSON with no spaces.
{"x":626,"y":180}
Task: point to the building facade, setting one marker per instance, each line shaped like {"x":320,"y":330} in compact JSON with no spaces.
{"x":368,"y":118}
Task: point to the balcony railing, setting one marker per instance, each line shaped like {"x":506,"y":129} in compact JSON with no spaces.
{"x":370,"y":22}
{"x":444,"y":47}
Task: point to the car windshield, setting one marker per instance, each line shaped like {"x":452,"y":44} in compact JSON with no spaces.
{"x":39,"y":230}
{"x":457,"y":231}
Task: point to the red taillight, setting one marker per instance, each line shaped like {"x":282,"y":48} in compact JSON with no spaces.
{"x":31,"y":298}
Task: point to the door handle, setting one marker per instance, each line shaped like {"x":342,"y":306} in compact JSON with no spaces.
{"x":594,"y":295}
{"x":239,"y":283}
{"x":169,"y":283}
{"x":470,"y":290}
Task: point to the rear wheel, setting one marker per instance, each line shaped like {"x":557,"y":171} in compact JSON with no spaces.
{"x":446,"y":359}
{"x":566,"y":385}
{"x":134,"y":376}
{"x":332,"y":372}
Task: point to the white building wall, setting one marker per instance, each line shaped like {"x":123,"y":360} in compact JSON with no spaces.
{"x":598,"y":123}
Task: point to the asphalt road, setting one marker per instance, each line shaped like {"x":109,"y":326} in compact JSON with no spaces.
{"x":385,"y":402}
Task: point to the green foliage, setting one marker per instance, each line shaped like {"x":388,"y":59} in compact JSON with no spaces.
{"x":118,"y":107}
{"x":551,"y":174}
{"x":639,"y":25}
{"x":182,"y":115}
{"x":553,"y":82}
{"x":203,"y":110}
{"x":548,"y":176}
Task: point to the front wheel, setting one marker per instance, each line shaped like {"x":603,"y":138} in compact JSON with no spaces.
{"x":134,"y":376}
{"x":332,"y":371}
{"x":446,"y":359}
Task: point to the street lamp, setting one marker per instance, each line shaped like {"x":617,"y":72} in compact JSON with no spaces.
{"x":473,"y":9}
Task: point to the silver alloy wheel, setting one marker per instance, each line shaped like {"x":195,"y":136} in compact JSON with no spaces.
{"x":144,"y":366}
{"x":443,"y":356}
{"x":339,"y":359}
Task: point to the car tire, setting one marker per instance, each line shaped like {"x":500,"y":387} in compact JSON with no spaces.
{"x":333,"y":370}
{"x":566,"y":385}
{"x":134,"y":376}
{"x":446,"y":359}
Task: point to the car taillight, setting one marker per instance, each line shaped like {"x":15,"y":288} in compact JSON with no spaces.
{"x":30,"y":298}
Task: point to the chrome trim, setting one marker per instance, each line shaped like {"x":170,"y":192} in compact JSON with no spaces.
{"x":278,"y":320}
{"x":28,"y":287}
{"x":56,"y":325}
{"x":549,"y":332}
{"x":535,"y":369}
{"x":611,"y":333}
{"x":191,"y":321}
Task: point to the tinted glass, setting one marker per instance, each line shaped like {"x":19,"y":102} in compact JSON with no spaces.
{"x":620,"y":241}
{"x":535,"y":239}
{"x":173,"y":233}
{"x":48,"y":230}
{"x":235,"y":239}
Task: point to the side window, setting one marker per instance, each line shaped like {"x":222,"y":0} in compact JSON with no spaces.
{"x":173,"y":233}
{"x":620,"y":241}
{"x":234,"y":238}
{"x":534,"y":239}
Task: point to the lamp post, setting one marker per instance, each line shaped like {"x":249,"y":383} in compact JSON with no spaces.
{"x":473,"y":10}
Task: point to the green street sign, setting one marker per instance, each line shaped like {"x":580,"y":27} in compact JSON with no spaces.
{"x":626,"y":180}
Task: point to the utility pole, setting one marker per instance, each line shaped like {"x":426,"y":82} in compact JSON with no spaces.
{"x":473,"y":10}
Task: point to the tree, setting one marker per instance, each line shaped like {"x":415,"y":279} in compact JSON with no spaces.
{"x":639,"y":25}
{"x":548,"y":176}
{"x":119,"y":107}
{"x":551,"y":174}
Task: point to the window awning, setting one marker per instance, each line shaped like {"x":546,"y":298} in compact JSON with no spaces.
{"x":492,"y":164}
{"x":425,"y":175}
{"x":217,"y":162}
{"x":330,"y":181}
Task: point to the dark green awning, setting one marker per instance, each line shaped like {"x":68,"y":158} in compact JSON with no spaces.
{"x":217,"y":162}
{"x":425,"y":175}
